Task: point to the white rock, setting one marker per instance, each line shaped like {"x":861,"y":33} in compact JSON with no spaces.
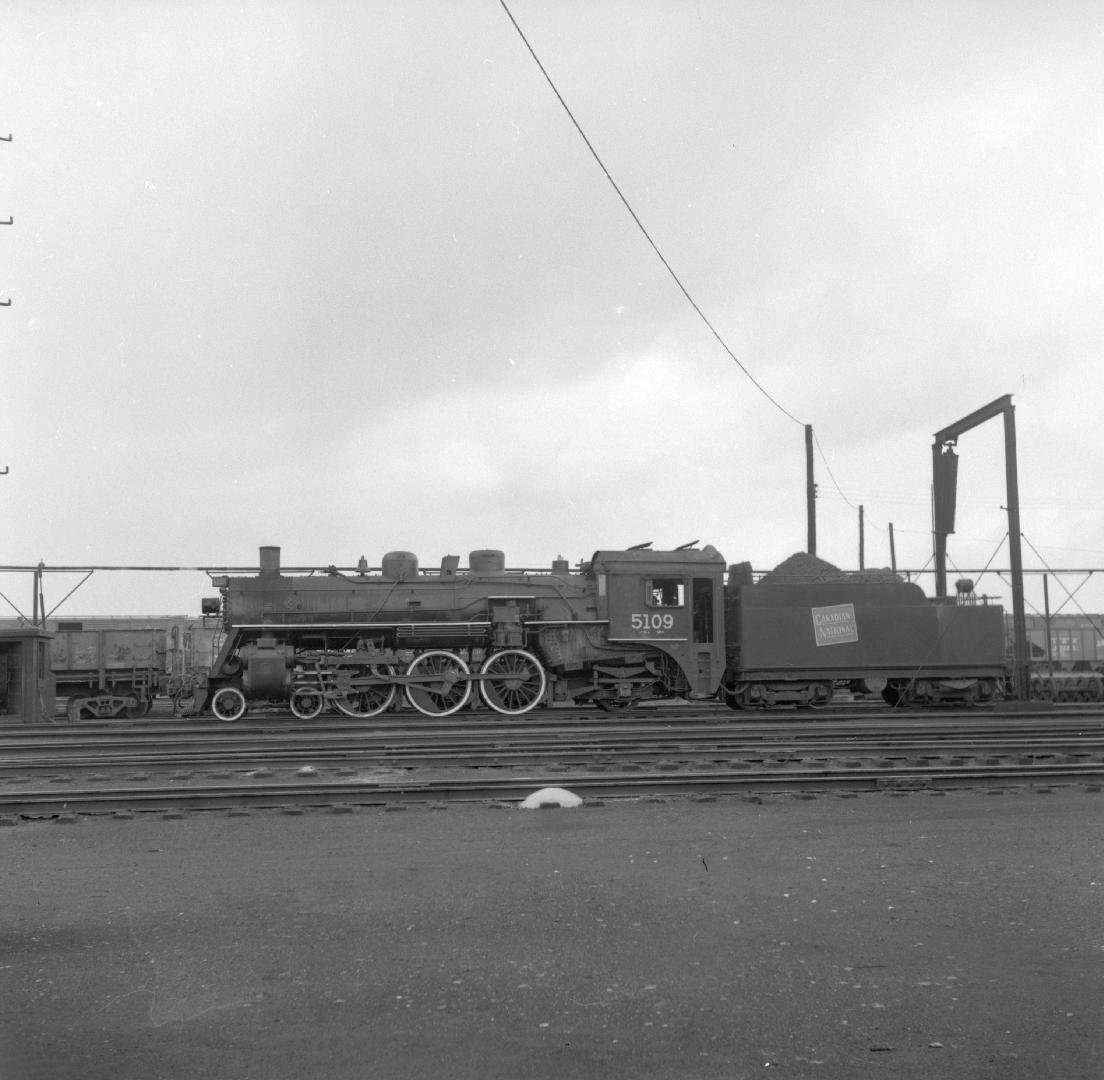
{"x":551,"y":796}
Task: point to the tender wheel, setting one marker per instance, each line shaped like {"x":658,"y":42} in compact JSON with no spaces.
{"x":228,"y":703}
{"x":306,"y":702}
{"x":446,"y":689}
{"x":514,"y":681}
{"x":821,"y":695}
{"x":363,"y":701}
{"x":737,"y":696}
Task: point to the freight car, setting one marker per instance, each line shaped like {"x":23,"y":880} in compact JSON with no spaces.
{"x":107,"y":673}
{"x":626,"y":626}
{"x":1067,"y":686}
{"x":807,"y":628}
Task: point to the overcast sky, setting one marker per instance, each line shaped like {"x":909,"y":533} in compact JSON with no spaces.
{"x":344,"y":278}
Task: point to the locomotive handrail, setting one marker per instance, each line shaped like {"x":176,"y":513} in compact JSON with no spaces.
{"x":565,"y":622}
{"x":347,"y":625}
{"x":648,"y":639}
{"x":352,"y":571}
{"x":434,"y":573}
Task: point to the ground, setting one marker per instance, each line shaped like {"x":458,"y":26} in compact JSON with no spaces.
{"x":878,"y":936}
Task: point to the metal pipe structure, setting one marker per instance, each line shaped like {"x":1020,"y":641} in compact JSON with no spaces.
{"x":944,"y":480}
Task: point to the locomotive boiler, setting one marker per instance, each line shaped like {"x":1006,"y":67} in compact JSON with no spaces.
{"x":624,"y":627}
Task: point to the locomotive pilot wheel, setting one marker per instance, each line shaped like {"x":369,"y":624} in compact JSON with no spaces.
{"x":443,"y":686}
{"x":306,"y":702}
{"x":228,"y":703}
{"x":364,"y":700}
{"x":513,"y":681}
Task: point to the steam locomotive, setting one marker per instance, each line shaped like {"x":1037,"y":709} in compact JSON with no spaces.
{"x":624,"y":627}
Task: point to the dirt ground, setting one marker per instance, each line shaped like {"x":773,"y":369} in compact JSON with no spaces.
{"x":877,"y":936}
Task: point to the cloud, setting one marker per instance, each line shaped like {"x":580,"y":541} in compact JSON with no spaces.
{"x":354,"y":283}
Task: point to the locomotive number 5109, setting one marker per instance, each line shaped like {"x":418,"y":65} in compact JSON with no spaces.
{"x":652,"y":622}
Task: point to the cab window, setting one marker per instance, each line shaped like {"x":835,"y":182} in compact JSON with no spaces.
{"x":664,"y":592}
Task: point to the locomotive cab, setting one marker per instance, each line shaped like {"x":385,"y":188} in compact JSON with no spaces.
{"x":670,"y":604}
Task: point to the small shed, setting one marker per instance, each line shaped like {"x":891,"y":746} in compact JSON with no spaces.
{"x":27,"y":688}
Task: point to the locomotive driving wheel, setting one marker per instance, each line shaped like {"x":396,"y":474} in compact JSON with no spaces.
{"x":228,"y":703}
{"x":364,"y":700}
{"x":514,"y":681}
{"x":443,"y":685}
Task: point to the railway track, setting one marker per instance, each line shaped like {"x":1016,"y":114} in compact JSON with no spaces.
{"x":280,"y":762}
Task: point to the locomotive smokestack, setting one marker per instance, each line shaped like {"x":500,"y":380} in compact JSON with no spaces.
{"x":270,"y":560}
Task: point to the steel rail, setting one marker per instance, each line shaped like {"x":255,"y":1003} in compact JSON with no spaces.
{"x":126,"y":732}
{"x":488,"y":745}
{"x":480,"y":752}
{"x":492,"y":756}
{"x":685,"y":713}
{"x":45,"y":803}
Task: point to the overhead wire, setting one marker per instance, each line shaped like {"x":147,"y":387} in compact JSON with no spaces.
{"x":640,"y":225}
{"x":831,"y":475}
{"x":985,"y":569}
{"x":839,"y":491}
{"x":666,"y":264}
{"x":1069,"y":595}
{"x":895,"y":498}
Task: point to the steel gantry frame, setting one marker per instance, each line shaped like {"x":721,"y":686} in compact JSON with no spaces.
{"x":944,"y":480}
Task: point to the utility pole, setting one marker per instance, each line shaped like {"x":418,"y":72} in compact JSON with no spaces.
{"x":10,"y":221}
{"x":6,"y":303}
{"x":810,"y":490}
{"x":862,"y":541}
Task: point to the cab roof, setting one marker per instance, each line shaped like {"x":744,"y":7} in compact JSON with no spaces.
{"x":640,"y":559}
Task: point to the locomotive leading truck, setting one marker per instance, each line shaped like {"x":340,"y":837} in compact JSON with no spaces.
{"x":624,"y":627}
